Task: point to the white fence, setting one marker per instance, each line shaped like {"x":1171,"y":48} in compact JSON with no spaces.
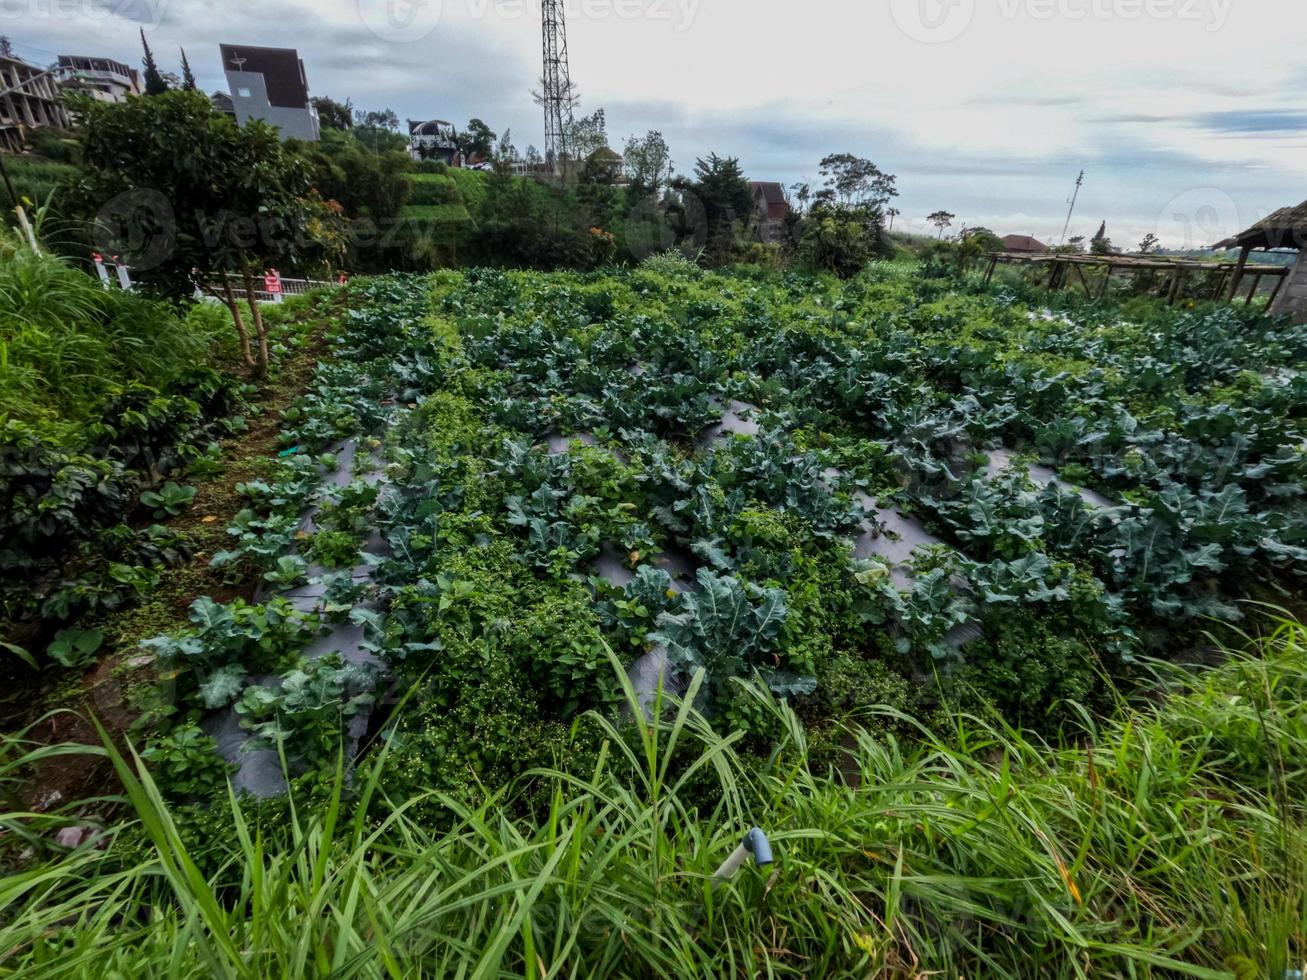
{"x":289,"y":287}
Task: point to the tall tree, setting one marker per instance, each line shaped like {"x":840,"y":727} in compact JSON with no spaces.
{"x":1100,"y":244}
{"x":6,"y":46}
{"x":941,"y":220}
{"x":853,"y":181}
{"x":726,"y":201}
{"x":188,"y":77}
{"x":197,"y":193}
{"x":1149,"y":244}
{"x":586,"y":135}
{"x":154,"y":83}
{"x":333,"y":114}
{"x":477,"y":140}
{"x":648,"y":163}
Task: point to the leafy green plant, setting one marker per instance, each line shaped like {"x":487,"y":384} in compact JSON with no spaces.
{"x":75,"y":648}
{"x":170,"y":500}
{"x":185,"y":763}
{"x":289,"y":570}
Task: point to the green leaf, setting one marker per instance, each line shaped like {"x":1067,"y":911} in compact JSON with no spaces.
{"x":75,"y":648}
{"x":223,"y":686}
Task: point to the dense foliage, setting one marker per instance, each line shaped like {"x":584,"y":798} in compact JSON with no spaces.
{"x":103,"y":394}
{"x":551,"y":491}
{"x":1167,"y":842}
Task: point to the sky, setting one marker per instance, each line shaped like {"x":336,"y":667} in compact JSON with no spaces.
{"x":1189,"y":117}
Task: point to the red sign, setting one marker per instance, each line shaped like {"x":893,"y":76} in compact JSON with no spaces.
{"x":272,"y":282}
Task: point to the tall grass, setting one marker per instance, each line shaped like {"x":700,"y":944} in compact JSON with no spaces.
{"x":65,"y":342}
{"x":1167,"y":842}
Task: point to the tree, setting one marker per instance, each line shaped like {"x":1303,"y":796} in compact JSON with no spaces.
{"x":853,"y":181}
{"x":723,"y":192}
{"x":892,"y":213}
{"x":1100,"y":244}
{"x":188,"y":77}
{"x":334,"y":115}
{"x":154,"y":83}
{"x":182,"y":193}
{"x":477,"y":140}
{"x":6,"y":46}
{"x":1149,"y":245}
{"x":648,"y":164}
{"x":983,"y":240}
{"x":378,"y":119}
{"x":941,"y":220}
{"x":379,"y":129}
{"x":586,"y":135}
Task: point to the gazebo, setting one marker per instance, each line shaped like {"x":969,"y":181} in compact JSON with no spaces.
{"x":1286,"y":229}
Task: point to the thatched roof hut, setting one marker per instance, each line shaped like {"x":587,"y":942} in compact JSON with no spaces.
{"x":1285,"y":229}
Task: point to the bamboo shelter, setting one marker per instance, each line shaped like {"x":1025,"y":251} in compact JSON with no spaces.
{"x":1285,"y":230}
{"x":1183,"y":278}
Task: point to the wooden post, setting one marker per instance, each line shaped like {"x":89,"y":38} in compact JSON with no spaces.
{"x":1083,"y":281}
{"x":1257,"y":281}
{"x":1270,"y":303}
{"x":1107,"y":277}
{"x":1174,"y":295}
{"x":1237,"y":276}
{"x":993,"y":263}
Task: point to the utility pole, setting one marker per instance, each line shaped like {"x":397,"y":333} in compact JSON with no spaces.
{"x":1074,"y":197}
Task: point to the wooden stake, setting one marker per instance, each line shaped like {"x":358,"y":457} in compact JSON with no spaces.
{"x":1238,"y":272}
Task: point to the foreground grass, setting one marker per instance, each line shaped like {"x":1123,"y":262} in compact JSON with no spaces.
{"x":1167,"y":842}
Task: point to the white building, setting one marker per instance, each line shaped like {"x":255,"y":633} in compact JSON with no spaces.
{"x":101,"y":78}
{"x":270,"y":84}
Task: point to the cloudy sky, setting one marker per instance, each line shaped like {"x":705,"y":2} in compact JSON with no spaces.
{"x":1189,"y":116}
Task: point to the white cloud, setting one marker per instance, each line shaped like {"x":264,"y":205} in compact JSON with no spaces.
{"x":996,"y":120}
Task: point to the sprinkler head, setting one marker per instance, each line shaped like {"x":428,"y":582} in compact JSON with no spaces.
{"x":757,"y":844}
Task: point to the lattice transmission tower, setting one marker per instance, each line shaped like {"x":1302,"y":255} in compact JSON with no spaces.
{"x":556,"y":93}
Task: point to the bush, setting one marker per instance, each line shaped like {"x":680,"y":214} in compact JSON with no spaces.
{"x":432,"y":189}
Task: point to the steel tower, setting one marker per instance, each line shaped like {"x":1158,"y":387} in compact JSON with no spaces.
{"x":557,"y":83}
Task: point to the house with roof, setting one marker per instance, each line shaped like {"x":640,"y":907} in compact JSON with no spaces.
{"x":270,"y":84}
{"x":1027,"y":244}
{"x":771,"y":208}
{"x":433,"y":139}
{"x":103,"y":79}
{"x":1285,"y":230}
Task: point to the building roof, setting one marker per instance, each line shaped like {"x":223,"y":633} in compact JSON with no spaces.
{"x":1023,"y":243}
{"x":281,"y":68}
{"x":773,"y":195}
{"x":430,"y":127}
{"x":1286,"y":228}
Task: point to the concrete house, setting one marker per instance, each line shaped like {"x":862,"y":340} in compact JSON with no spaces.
{"x":103,"y":79}
{"x":1286,"y":229}
{"x":32,"y":103}
{"x":270,"y":84}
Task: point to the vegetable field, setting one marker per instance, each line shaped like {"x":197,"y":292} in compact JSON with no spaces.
{"x":881,"y":492}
